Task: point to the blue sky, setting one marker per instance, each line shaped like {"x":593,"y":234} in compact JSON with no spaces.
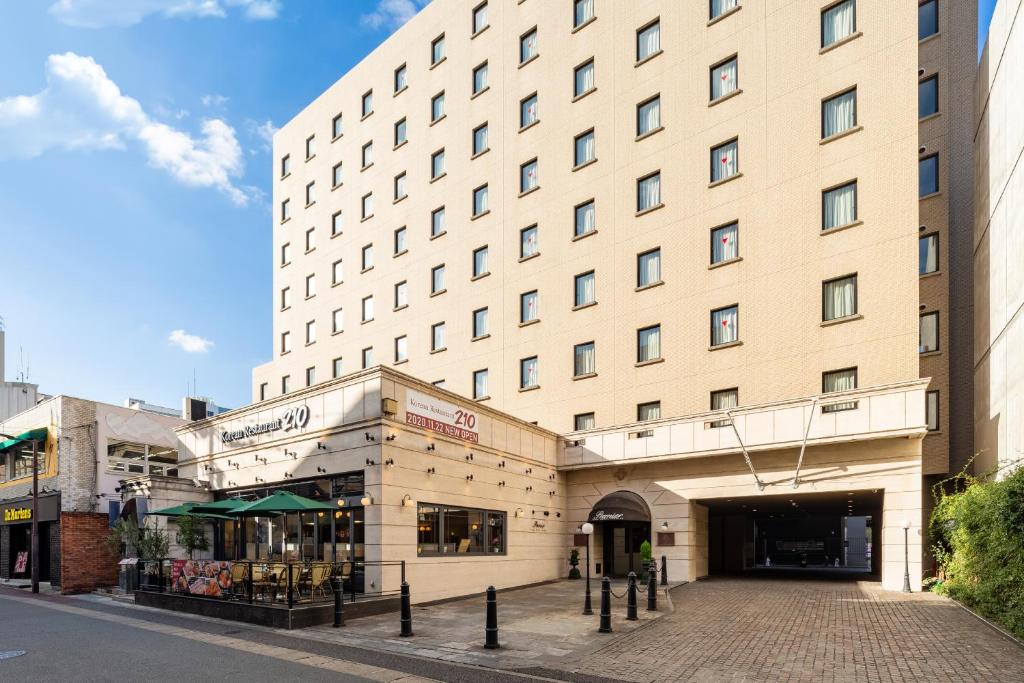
{"x":135,"y":167}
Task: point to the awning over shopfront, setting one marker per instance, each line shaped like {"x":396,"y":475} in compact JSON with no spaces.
{"x":621,"y":506}
{"x":183,"y":510}
{"x":278,"y":503}
{"x":30,"y":435}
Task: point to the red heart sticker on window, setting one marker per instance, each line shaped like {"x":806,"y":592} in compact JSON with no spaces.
{"x":725,"y":160}
{"x":725,"y":239}
{"x":724,"y":323}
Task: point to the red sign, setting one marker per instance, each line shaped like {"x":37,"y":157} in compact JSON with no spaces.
{"x":427,"y":412}
{"x":21,"y":562}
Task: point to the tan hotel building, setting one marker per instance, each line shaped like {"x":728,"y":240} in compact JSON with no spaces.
{"x":697,"y":240}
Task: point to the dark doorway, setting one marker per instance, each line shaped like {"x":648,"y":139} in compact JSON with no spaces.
{"x":621,"y":542}
{"x":21,"y":542}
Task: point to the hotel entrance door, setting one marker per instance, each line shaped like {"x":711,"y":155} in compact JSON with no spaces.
{"x":622,"y":542}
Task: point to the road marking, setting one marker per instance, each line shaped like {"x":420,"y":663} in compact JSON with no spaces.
{"x":282,"y":653}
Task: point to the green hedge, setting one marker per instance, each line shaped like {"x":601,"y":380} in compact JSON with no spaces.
{"x":978,"y":536}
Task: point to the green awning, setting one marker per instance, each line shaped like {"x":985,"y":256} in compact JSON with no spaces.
{"x":279,"y":502}
{"x":183,"y":510}
{"x":218,"y":507}
{"x":30,"y":435}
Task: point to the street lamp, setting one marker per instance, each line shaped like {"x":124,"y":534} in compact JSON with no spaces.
{"x":35,"y":512}
{"x":906,"y":556}
{"x":588,"y":530}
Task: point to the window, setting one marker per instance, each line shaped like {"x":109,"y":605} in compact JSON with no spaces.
{"x":480,"y":79}
{"x":928,"y":254}
{"x":585,"y":290}
{"x":479,"y":18}
{"x":311,"y":147}
{"x":286,"y":342}
{"x":437,"y":222}
{"x":585,"y":219}
{"x":928,"y":175}
{"x":479,"y":323}
{"x":336,"y":177}
{"x":311,"y":332}
{"x":337,"y":321}
{"x":648,"y":192}
{"x":480,"y":139}
{"x":286,"y":298}
{"x":648,"y":344}
{"x":931,"y":410}
{"x":583,"y":79}
{"x":725,"y":243}
{"x":437,"y":279}
{"x":725,"y":325}
{"x":367,"y":257}
{"x":839,"y":206}
{"x":529,"y":244}
{"x":648,"y":41}
{"x":286,"y":254}
{"x":367,"y":103}
{"x":836,"y":381}
{"x":264,"y":391}
{"x":400,"y":235}
{"x":584,"y":360}
{"x":400,"y":133}
{"x":480,"y":262}
{"x":927,"y":19}
{"x":286,"y":384}
{"x":838,"y":21}
{"x":648,"y":116}
{"x":310,"y":286}
{"x":401,"y":349}
{"x":725,"y":161}
{"x":839,"y":114}
{"x":336,"y":366}
{"x":367,"y":357}
{"x":725,"y":78}
{"x":583,"y":421}
{"x":645,"y":412}
{"x":480,"y":384}
{"x":724,"y":399}
{"x":336,"y":127}
{"x":720,"y":7}
{"x":437,"y":107}
{"x":480,"y":201}
{"x":400,"y":187}
{"x":337,"y":273}
{"x":528,"y":111}
{"x":311,"y":193}
{"x":336,"y":224}
{"x":928,"y":97}
{"x":528,"y":307}
{"x":401,"y":295}
{"x":528,"y":46}
{"x":582,"y":12}
{"x":528,"y":176}
{"x":529,"y":373}
{"x":929,"y":333}
{"x":437,"y":337}
{"x":286,"y":210}
{"x":443,"y":529}
{"x":367,"y":309}
{"x":401,"y":79}
{"x":648,"y":268}
{"x":839,"y":298}
{"x":286,"y":165}
{"x":584,"y":149}
{"x":368,"y":154}
{"x":311,"y":239}
{"x":368,"y":206}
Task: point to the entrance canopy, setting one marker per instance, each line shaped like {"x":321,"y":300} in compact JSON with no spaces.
{"x":621,"y":506}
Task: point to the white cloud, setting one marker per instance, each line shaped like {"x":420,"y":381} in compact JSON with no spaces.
{"x":214,"y":100}
{"x":189,"y":343}
{"x":101,"y":13}
{"x":82,"y":109}
{"x":264,"y":132}
{"x":391,"y":14}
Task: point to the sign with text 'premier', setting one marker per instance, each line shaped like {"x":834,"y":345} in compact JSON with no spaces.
{"x":440,"y":416}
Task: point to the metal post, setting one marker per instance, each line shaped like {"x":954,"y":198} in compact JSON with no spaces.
{"x":491,"y":629}
{"x":291,"y":594}
{"x":339,"y":600}
{"x":631,"y":597}
{"x":664,"y":570}
{"x":160,"y":574}
{"x":652,"y":588}
{"x":138,"y":577}
{"x":606,"y":606}
{"x":587,"y":608}
{"x":248,"y":584}
{"x":906,"y":561}
{"x":352,"y":580}
{"x":35,"y":516}
{"x":406,"y":618}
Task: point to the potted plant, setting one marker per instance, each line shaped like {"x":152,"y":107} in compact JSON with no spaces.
{"x":645,"y":560}
{"x":574,"y":563}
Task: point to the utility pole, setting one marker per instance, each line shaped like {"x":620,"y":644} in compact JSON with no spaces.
{"x":35,"y":516}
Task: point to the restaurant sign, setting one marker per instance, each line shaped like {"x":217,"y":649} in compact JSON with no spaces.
{"x":17,"y":514}
{"x":440,"y":416}
{"x":293,"y":418}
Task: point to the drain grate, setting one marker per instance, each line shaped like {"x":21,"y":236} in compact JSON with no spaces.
{"x":11,"y":654}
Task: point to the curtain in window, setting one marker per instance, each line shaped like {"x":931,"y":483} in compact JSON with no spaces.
{"x":585,"y":421}
{"x":725,"y":326}
{"x":649,"y":117}
{"x":480,"y":79}
{"x":480,"y":262}
{"x":840,"y":206}
{"x":649,"y":41}
{"x":931,"y":412}
{"x":529,"y":242}
{"x":725,"y":243}
{"x":480,"y":201}
{"x":586,"y":219}
{"x":585,"y":149}
{"x":400,"y":349}
{"x":530,"y":111}
{"x":438,"y":337}
{"x":724,"y":400}
{"x":528,"y":181}
{"x":585,"y":78}
{"x":650,"y":192}
{"x":650,"y":268}
{"x":438,"y":279}
{"x":584,"y":10}
{"x":929,"y":333}
{"x":400,"y":296}
{"x":529,"y":47}
{"x":648,"y":411}
{"x":480,"y":323}
{"x":837,"y":23}
{"x":928,"y":254}
{"x":718,"y":7}
{"x":843,"y":380}
{"x":480,"y":19}
{"x":339,"y":320}
{"x":437,"y":222}
{"x":839,"y":114}
{"x":529,"y":308}
{"x":840,"y":299}
{"x":529,"y":374}
{"x":725,"y":161}
{"x":649,"y":343}
{"x":724,"y":79}
{"x":586,"y":289}
{"x":480,"y":140}
{"x":368,"y":309}
{"x":479,"y":384}
{"x":586,"y":360}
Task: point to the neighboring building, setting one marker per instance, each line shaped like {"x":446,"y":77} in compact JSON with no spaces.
{"x":998,"y":247}
{"x":14,"y":396}
{"x":203,"y":403}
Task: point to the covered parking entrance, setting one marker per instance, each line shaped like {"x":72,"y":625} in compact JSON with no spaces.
{"x":834,"y":534}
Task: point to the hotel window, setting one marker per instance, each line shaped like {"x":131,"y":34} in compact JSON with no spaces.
{"x":286,"y":210}
{"x":400,"y":187}
{"x":337,"y":273}
{"x":337,"y":321}
{"x":480,"y":79}
{"x":437,"y":164}
{"x":480,"y":262}
{"x":400,"y":133}
{"x":528,"y":179}
{"x":400,"y":236}
{"x":836,"y":381}
{"x":437,"y":279}
{"x":479,"y":18}
{"x":929,"y":333}
{"x":286,"y":165}
{"x":310,"y":286}
{"x":311,"y":332}
{"x":648,"y":344}
{"x":528,"y":46}
{"x":648,"y":192}
{"x":367,"y":103}
{"x":725,"y":243}
{"x":648,"y":116}
{"x":839,"y":298}
{"x":648,"y":41}
{"x":928,"y":175}
{"x":725,"y":78}
{"x":437,"y":107}
{"x":367,"y":206}
{"x":401,"y":349}
{"x":336,"y":368}
{"x":368,"y":154}
{"x":645,"y":412}
{"x":585,"y":289}
{"x":286,"y":384}
{"x":336,"y":127}
{"x":839,"y":206}
{"x":310,"y":193}
{"x":286,"y":298}
{"x":401,"y":295}
{"x":528,"y":111}
{"x":311,"y":147}
{"x":367,"y":309}
{"x":286,"y":342}
{"x":479,"y":323}
{"x":725,"y":325}
{"x":437,"y":222}
{"x":584,"y":149}
{"x":529,"y":243}
{"x":725,"y":161}
{"x":437,"y":50}
{"x":367,"y":257}
{"x":720,"y":7}
{"x":582,"y":12}
{"x":584,"y":360}
{"x":264,"y":390}
{"x":437,"y":337}
{"x":838,"y":21}
{"x":480,"y":200}
{"x":583,"y":79}
{"x":336,"y":177}
{"x":336,"y":223}
{"x":480,"y":139}
{"x":648,"y":268}
{"x":585,"y":219}
{"x":286,"y":254}
{"x":931,"y":410}
{"x":928,"y":97}
{"x":927,"y":19}
{"x":442,"y":529}
{"x":928,"y":254}
{"x":311,"y":239}
{"x":480,"y":384}
{"x":529,"y":373}
{"x":529,"y":310}
{"x":401,"y":79}
{"x":725,"y":399}
{"x":583,"y":421}
{"x":839,"y":114}
{"x":367,"y":357}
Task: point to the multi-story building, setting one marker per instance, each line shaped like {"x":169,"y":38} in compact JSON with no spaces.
{"x":18,"y":395}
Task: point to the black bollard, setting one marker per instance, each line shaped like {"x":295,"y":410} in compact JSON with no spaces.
{"x":339,"y":601}
{"x":631,"y":597}
{"x":406,"y":611}
{"x":664,"y":570}
{"x":652,"y":589}
{"x":160,"y":575}
{"x":606,"y":606}
{"x":491,"y":629}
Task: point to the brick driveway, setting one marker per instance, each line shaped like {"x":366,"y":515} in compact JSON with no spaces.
{"x":807,"y":630}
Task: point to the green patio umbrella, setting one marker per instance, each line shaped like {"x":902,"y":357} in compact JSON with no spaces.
{"x":277,"y":503}
{"x":219,"y":507}
{"x":184,"y":509}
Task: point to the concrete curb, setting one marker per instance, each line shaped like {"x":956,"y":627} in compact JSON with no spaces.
{"x":991,"y":624}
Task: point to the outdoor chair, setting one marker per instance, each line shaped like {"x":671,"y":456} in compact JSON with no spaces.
{"x":319,"y":579}
{"x":239,"y":574}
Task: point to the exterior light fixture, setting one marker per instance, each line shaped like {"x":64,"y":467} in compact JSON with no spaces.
{"x":366,"y":500}
{"x":341,"y":502}
{"x":431,"y":447}
{"x":664,"y":526}
{"x":407,"y":501}
{"x":518,"y":513}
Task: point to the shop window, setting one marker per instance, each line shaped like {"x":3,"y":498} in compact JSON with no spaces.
{"x":444,"y":530}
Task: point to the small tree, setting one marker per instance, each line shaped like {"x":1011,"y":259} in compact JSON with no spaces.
{"x":127,"y":539}
{"x":574,"y":562}
{"x":645,"y":560}
{"x":192,"y":534}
